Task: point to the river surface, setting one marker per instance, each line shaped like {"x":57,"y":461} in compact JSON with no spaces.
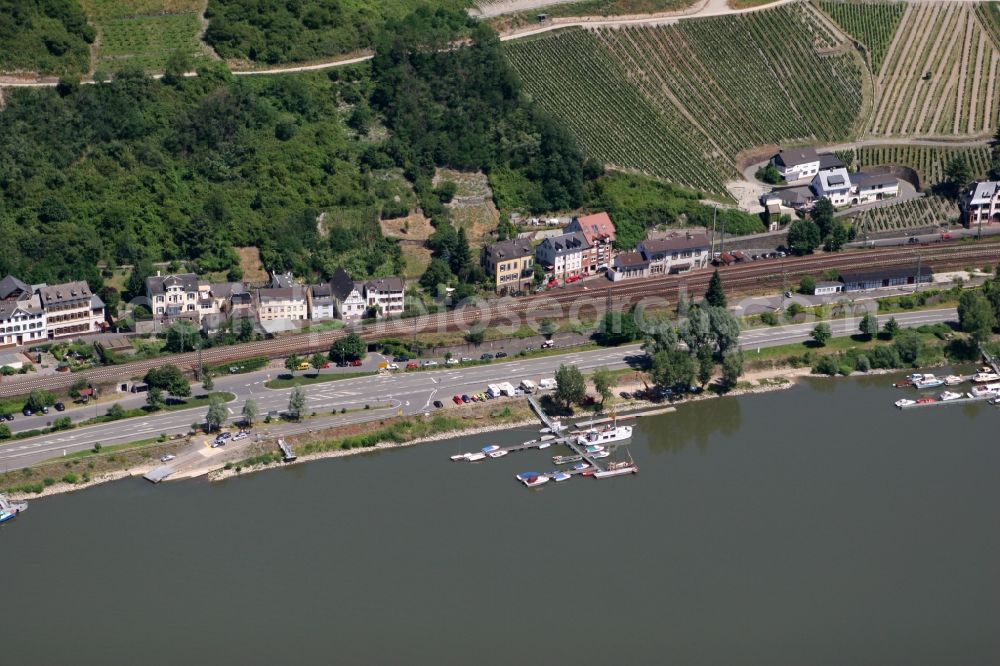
{"x":817,"y":525}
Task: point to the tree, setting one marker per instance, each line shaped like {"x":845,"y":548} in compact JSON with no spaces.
{"x":725,"y":327}
{"x":803,"y":236}
{"x":807,"y":285}
{"x":250,"y":411}
{"x":246,"y":330}
{"x":768,"y":174}
{"x":958,"y":174}
{"x":206,"y":382}
{"x":673,"y":367}
{"x":547,"y":327}
{"x":869,"y":325}
{"x":838,"y":236}
{"x":115,"y":412}
{"x":604,"y":383}
{"x":706,"y":365}
{"x":351,"y":347}
{"x":136,"y":284}
{"x":570,"y":385}
{"x":170,"y":379}
{"x":38,"y":399}
{"x":181,"y":337}
{"x":4,"y":431}
{"x":217,"y":413}
{"x":437,"y":273}
{"x":475,"y":337}
{"x":976,"y":316}
{"x":292,"y":363}
{"x":154,"y":398}
{"x":732,"y":368}
{"x":822,"y":216}
{"x":891,"y":328}
{"x":821,"y":334}
{"x":716,"y":295}
{"x":178,"y":64}
{"x":78,"y":385}
{"x":318,"y":360}
{"x":297,"y":402}
{"x":696,"y":331}
{"x":617,"y":328}
{"x":662,"y":337}
{"x":908,"y":345}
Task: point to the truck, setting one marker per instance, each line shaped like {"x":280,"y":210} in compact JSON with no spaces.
{"x":528,"y":386}
{"x":546,"y":384}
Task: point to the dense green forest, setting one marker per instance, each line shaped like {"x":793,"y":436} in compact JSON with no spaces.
{"x":48,"y":36}
{"x":276,"y":31}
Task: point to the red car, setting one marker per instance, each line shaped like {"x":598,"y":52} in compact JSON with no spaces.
{"x":945,"y":235}
{"x":457,"y":400}
{"x":356,"y":363}
{"x":412,"y":366}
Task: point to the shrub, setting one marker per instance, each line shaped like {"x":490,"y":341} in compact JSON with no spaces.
{"x":769,"y":318}
{"x":862,"y":363}
{"x":70,"y":477}
{"x":48,"y":481}
{"x":885,"y":357}
{"x":827,"y":365}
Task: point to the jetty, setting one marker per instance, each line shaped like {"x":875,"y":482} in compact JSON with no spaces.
{"x":158,"y":474}
{"x":567,"y":441}
{"x":287,"y":454}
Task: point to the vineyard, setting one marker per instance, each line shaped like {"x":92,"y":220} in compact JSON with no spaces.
{"x":872,"y":24}
{"x":681,"y":101}
{"x":939,"y":73}
{"x":145,"y":32}
{"x":914,"y":214}
{"x":929,"y":161}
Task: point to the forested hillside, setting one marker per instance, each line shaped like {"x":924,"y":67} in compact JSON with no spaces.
{"x":50,"y":36}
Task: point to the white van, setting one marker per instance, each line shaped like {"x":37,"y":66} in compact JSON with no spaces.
{"x":493,"y":391}
{"x":507,"y":389}
{"x":546,"y":384}
{"x":527,"y":386}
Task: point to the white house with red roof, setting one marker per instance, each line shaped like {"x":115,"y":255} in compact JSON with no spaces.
{"x":599,"y":231}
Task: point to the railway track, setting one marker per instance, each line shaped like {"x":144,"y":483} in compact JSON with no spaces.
{"x":583,"y":301}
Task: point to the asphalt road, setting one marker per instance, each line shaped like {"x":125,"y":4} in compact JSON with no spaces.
{"x":408,"y":393}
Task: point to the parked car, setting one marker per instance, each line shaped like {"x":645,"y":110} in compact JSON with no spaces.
{"x":486,"y":357}
{"x":438,"y":404}
{"x":217,"y":443}
{"x":356,"y":363}
{"x":168,"y":457}
{"x":26,"y":412}
{"x":466,"y":399}
{"x":240,"y":435}
{"x":45,"y":409}
{"x":625,"y":394}
{"x":430,"y":364}
{"x":400,"y":359}
{"x":304,"y":365}
{"x":60,"y":407}
{"x":392,"y":366}
{"x":466,"y":359}
{"x":451,"y":361}
{"x":457,"y":400}
{"x":6,"y":417}
{"x":945,"y":235}
{"x":412,"y":365}
{"x":501,"y":354}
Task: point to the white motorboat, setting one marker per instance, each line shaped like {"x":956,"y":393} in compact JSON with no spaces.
{"x":526,"y":475}
{"x":10,"y":510}
{"x":560,"y":476}
{"x":950,"y":395}
{"x":460,"y":456}
{"x":617,"y":469}
{"x":985,"y":376}
{"x":473,"y":457}
{"x":905,"y":402}
{"x":605,"y":435}
{"x":498,"y":454}
{"x":535,"y":481}
{"x":928,"y":382}
{"x":544,"y":445}
{"x":953,"y":380}
{"x":985,"y":391}
{"x":600,"y":454}
{"x":490,"y":449}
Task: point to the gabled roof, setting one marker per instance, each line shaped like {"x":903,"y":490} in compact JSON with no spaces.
{"x":566,"y":243}
{"x":981,"y":192}
{"x":386,"y":284}
{"x":866,"y":181}
{"x":341,"y":285}
{"x":631,"y":260}
{"x":281,"y":294}
{"x":676,"y":242}
{"x":9,"y":308}
{"x":794,"y":157}
{"x":10,"y":285}
{"x":157,"y":284}
{"x":64,"y":293}
{"x":835,"y":179}
{"x":596,"y":228}
{"x":509,"y":249}
{"x":829,"y":161}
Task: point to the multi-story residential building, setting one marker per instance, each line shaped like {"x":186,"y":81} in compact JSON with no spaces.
{"x":71,"y":309}
{"x":348,"y":296}
{"x":599,"y":231}
{"x":321,"y":302}
{"x":869,"y":187}
{"x":282,"y":303}
{"x":562,"y":256}
{"x":385,"y":295}
{"x":981,"y":204}
{"x":676,"y":253}
{"x":797,"y":163}
{"x":12,"y":289}
{"x":629,"y":265}
{"x":175,"y":296}
{"x":510,"y":263}
{"x":834,"y":185}
{"x":22,"y":322}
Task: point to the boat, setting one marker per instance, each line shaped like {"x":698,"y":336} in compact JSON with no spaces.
{"x":926,"y":400}
{"x":547,"y":438}
{"x":905,"y":402}
{"x":544,"y":445}
{"x":473,"y":457}
{"x":560,"y":476}
{"x":498,"y":454}
{"x":594,"y":448}
{"x":950,"y":395}
{"x":985,"y":376}
{"x":460,"y":456}
{"x":600,"y":454}
{"x":579,"y":467}
{"x":953,"y":380}
{"x":563,"y":460}
{"x":904,"y":383}
{"x":490,"y":449}
{"x":534,"y":481}
{"x":10,"y":510}
{"x":605,"y":435}
{"x":617,"y":469}
{"x":985,"y":391}
{"x":928,"y":382}
{"x":526,"y":475}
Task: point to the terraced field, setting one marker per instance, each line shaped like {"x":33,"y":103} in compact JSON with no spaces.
{"x":913,"y":214}
{"x":930,"y":162}
{"x":145,"y":32}
{"x":870,"y":23}
{"x":681,"y":101}
{"x":939,"y":74}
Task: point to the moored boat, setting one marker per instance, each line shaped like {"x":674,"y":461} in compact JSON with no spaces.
{"x":534,"y":481}
{"x":490,"y":449}
{"x":985,"y":391}
{"x":928,"y":382}
{"x":10,"y":510}
{"x":903,"y":383}
{"x":526,"y":475}
{"x":905,"y":402}
{"x":594,"y":448}
{"x":950,"y":395}
{"x":600,"y":454}
{"x":579,"y":467}
{"x":460,"y":456}
{"x":617,"y":469}
{"x":563,"y":460}
{"x":498,"y":454}
{"x":560,"y":476}
{"x":953,"y":380}
{"x":473,"y":457}
{"x":985,"y":376}
{"x":605,"y":435}
{"x":544,"y":445}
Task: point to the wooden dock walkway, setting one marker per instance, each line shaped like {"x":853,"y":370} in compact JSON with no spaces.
{"x":567,"y":441}
{"x":957,"y":401}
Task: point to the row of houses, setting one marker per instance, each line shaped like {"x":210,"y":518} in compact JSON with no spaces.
{"x":42,"y":312}
{"x":824,"y":176}
{"x":210,"y":305}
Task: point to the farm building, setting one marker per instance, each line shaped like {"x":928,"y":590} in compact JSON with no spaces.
{"x":891,"y":276}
